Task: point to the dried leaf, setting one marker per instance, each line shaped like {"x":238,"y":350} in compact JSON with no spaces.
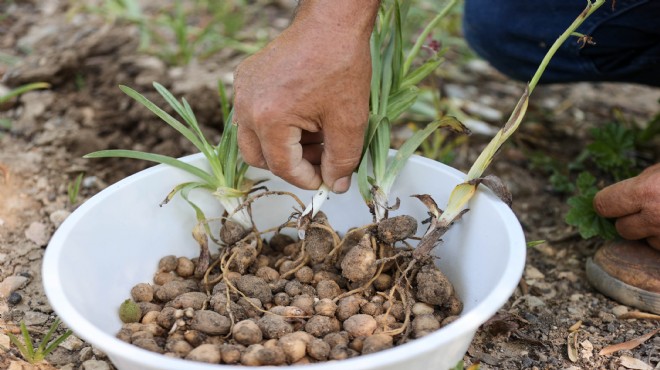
{"x":629,"y":344}
{"x":429,"y":203}
{"x":575,"y":326}
{"x":639,"y":315}
{"x":573,"y":346}
{"x":496,"y":184}
{"x":633,"y":363}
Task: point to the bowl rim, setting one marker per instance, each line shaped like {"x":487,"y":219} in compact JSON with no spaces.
{"x":467,"y":323}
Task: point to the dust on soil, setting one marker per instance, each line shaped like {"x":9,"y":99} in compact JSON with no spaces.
{"x":85,"y":59}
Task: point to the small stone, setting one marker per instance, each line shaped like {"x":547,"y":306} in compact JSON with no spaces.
{"x":58,"y":217}
{"x":38,"y":233}
{"x":360,"y":325}
{"x":86,"y":354}
{"x":95,"y":365}
{"x":11,"y":284}
{"x":210,"y":322}
{"x":33,"y":318}
{"x":4,"y":342}
{"x":532,"y":272}
{"x":208,"y":353}
{"x":619,"y":310}
{"x":72,"y":343}
{"x":14,"y":299}
{"x":533,"y":301}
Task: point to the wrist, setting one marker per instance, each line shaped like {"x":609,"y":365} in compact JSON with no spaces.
{"x":348,"y":17}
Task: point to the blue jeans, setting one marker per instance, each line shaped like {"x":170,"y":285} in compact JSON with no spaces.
{"x":514,"y":35}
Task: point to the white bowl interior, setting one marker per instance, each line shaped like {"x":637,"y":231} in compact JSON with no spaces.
{"x":115,"y":240}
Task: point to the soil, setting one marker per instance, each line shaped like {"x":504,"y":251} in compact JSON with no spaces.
{"x":84,"y":58}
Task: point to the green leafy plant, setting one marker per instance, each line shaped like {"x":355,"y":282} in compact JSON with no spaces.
{"x":183,"y":31}
{"x":226,"y":180}
{"x":74,"y":189}
{"x":393,"y":91}
{"x":613,"y":155}
{"x":582,"y":214}
{"x":27,"y":348}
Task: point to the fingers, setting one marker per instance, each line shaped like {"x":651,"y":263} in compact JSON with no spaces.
{"x":637,"y":226}
{"x":620,"y":199}
{"x":250,"y":147}
{"x":654,"y":242}
{"x":341,"y":154}
{"x":285,"y":157}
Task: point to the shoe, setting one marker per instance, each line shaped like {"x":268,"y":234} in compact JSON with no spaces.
{"x":628,"y":272}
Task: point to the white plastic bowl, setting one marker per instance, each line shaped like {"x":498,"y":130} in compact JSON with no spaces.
{"x":115,"y":239}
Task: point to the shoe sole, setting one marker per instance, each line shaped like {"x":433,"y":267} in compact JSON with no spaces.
{"x":620,"y":291}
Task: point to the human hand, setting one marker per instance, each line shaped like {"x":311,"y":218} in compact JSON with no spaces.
{"x":635,"y":203}
{"x":302,"y":103}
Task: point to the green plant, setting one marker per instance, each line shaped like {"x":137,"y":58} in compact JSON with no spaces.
{"x":393,"y":91}
{"x":183,"y":31}
{"x":613,"y":155}
{"x":32,"y":355}
{"x":226,"y":180}
{"x":22,"y":90}
{"x":73,"y":189}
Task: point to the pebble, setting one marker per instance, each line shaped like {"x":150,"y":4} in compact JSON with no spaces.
{"x":72,"y":343}
{"x":11,"y":284}
{"x":533,"y":301}
{"x":4,"y":342}
{"x":532,"y":272}
{"x":619,"y":310}
{"x":58,"y":217}
{"x":95,"y":365}
{"x":35,"y":318}
{"x":14,"y":299}
{"x":86,"y":354}
{"x":38,"y":233}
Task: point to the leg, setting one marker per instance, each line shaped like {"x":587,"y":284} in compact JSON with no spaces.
{"x":515,"y":35}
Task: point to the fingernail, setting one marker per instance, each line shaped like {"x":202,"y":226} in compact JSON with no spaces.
{"x":341,"y":185}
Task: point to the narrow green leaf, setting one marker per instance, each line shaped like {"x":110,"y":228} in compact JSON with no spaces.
{"x":158,"y":158}
{"x":401,"y":101}
{"x":363,"y":178}
{"x":224,"y":102}
{"x":376,"y":71}
{"x":46,"y":337}
{"x":422,"y":72}
{"x":397,"y":57}
{"x":386,"y":83}
{"x":408,"y":148}
{"x":375,"y":121}
{"x":27,"y":340}
{"x":19,"y":345}
{"x":23,"y":89}
{"x":183,"y":130}
{"x":51,"y":347}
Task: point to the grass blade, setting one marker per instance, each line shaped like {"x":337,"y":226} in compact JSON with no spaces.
{"x":23,"y":89}
{"x":401,"y":101}
{"x":158,"y":158}
{"x":183,"y":130}
{"x":423,"y":71}
{"x":18,"y":344}
{"x":27,"y":340}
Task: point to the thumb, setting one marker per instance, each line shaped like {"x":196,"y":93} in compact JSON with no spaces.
{"x":341,"y":153}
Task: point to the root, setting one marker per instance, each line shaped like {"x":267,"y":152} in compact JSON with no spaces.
{"x":252,"y":199}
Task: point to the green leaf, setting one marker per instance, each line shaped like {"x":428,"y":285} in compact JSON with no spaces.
{"x":582,"y":214}
{"x":27,"y":340}
{"x":408,"y":148}
{"x":397,"y":57}
{"x":22,"y":90}
{"x":363,"y":178}
{"x":183,"y":130}
{"x":423,"y":71}
{"x":401,"y":101}
{"x":158,"y":158}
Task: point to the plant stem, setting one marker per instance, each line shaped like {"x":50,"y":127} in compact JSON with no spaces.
{"x":422,"y":37}
{"x":591,"y":7}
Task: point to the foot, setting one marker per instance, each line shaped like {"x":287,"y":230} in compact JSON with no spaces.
{"x":628,"y":272}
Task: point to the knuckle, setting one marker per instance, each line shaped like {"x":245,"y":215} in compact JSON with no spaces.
{"x":600,"y":204}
